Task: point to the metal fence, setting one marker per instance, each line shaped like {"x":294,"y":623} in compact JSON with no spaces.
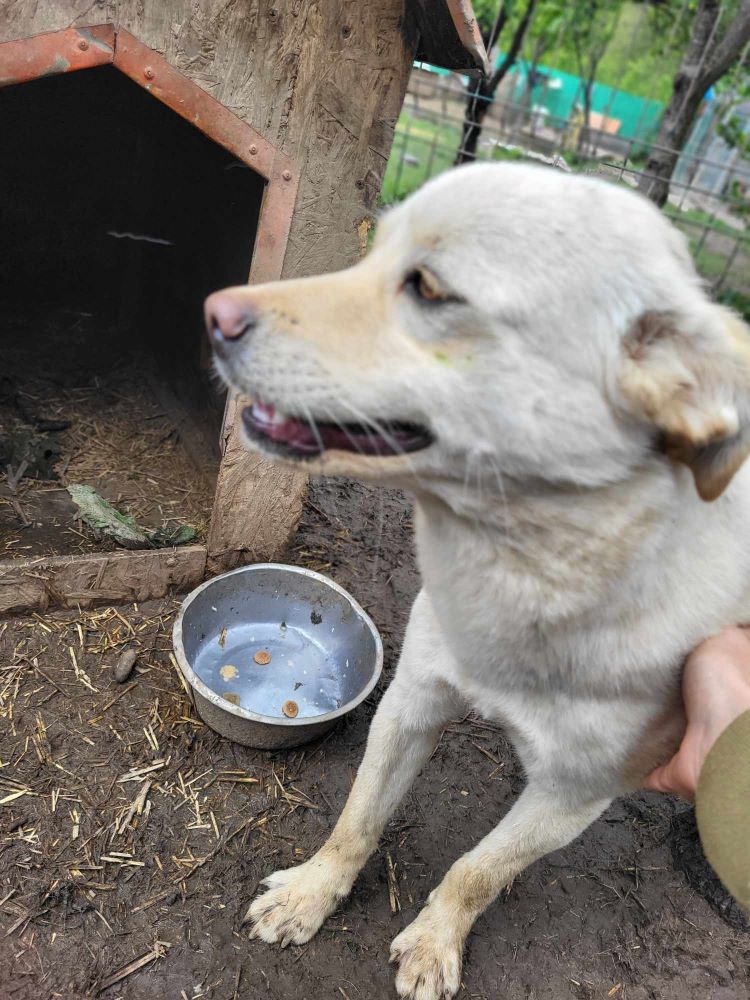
{"x":429,"y":135}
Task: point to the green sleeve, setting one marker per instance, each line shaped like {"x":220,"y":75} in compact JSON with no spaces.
{"x":722,"y":808}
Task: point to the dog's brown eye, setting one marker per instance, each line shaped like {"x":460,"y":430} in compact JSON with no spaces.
{"x":425,"y":286}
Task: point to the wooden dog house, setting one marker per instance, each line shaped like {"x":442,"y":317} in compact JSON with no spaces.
{"x":151,"y":153}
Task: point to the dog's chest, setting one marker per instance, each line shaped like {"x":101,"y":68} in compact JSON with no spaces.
{"x":576,"y":628}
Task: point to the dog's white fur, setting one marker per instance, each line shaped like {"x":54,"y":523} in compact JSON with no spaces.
{"x":578,"y":393}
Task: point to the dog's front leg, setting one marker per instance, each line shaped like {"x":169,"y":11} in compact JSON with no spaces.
{"x":403,"y":734}
{"x":429,"y":950}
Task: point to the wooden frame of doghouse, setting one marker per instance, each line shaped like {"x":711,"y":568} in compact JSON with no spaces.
{"x":66,"y":580}
{"x":349,"y":122}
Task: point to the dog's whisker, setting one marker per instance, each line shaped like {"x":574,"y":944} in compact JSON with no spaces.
{"x":501,"y":486}
{"x":383,"y":433}
{"x":313,"y":427}
{"x":371,"y":422}
{"x":342,"y":427}
{"x":367,"y":424}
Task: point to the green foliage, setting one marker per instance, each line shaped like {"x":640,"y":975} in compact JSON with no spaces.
{"x":732,"y":131}
{"x":737,"y":301}
{"x":643,"y":49}
{"x":643,"y":42}
{"x":735,"y":90}
{"x":486,"y":12}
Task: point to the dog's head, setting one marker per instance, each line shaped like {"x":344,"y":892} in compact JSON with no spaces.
{"x":511,"y":324}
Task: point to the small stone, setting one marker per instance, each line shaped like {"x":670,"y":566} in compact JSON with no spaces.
{"x":125,"y":665}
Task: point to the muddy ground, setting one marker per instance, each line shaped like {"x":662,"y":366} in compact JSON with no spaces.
{"x":132,"y":838}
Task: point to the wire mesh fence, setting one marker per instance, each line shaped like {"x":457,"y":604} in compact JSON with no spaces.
{"x":713,"y":215}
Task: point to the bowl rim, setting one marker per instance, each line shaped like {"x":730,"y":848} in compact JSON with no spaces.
{"x":216,"y":699}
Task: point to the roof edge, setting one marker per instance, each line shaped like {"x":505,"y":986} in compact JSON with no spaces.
{"x":470,"y":36}
{"x":449,"y":35}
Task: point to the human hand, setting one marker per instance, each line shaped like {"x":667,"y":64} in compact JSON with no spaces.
{"x":716,"y":691}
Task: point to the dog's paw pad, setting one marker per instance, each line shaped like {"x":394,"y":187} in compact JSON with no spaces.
{"x":429,"y":962}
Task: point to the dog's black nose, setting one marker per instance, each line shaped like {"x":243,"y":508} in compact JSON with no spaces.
{"x":227,"y":318}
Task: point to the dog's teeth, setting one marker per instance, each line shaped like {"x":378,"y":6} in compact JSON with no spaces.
{"x":268,"y":414}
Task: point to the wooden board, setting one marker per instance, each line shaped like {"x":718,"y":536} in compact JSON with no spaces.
{"x":261,"y":503}
{"x":85,"y":580}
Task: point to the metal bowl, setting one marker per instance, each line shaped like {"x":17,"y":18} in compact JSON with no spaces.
{"x":275,"y":654}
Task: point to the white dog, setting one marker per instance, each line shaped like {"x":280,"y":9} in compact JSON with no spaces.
{"x":532,"y":354}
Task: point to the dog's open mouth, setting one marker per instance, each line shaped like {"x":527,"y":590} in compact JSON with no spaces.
{"x":295,"y":437}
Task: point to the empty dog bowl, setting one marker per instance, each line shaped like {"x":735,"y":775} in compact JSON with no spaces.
{"x":275,"y":654}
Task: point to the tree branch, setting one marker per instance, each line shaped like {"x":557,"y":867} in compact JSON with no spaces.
{"x":515,"y":47}
{"x":497,"y":27}
{"x":726,"y":51}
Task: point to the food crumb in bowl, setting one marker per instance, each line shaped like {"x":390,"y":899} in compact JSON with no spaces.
{"x":290,"y":709}
{"x":315,"y":618}
{"x":262,"y":657}
{"x":228,"y":672}
{"x":222,"y":637}
{"x":232,"y":696}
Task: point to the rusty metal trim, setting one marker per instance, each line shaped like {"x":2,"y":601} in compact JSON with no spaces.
{"x":150,"y":70}
{"x":467,"y":28}
{"x":56,"y":52}
{"x":83,"y":48}
{"x":274,"y":223}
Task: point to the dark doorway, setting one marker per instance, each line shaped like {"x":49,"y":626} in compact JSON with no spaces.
{"x":117,"y":218}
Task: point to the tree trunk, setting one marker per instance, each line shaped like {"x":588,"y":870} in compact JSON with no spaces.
{"x":481,"y":97}
{"x":527,"y":98}
{"x":476,"y":109}
{"x":585,"y":133}
{"x":706,"y":60}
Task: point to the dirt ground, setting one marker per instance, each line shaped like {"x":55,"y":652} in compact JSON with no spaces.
{"x":132,"y":838}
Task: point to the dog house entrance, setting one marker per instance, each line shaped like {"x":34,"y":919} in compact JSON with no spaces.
{"x":118,"y":218}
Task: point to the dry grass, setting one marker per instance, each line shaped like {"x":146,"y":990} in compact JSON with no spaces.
{"x":93,"y":772}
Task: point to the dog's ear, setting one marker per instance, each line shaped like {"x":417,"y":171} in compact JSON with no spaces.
{"x":690,"y":378}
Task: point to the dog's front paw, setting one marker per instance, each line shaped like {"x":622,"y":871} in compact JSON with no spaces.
{"x":428,"y":953}
{"x":297,"y":902}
